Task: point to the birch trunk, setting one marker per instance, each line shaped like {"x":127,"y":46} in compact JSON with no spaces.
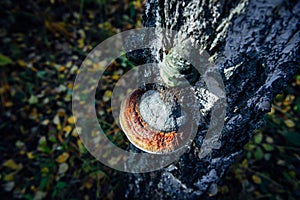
{"x":257,"y":42}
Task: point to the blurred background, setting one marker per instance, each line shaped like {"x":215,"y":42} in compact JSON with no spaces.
{"x":43,"y":43}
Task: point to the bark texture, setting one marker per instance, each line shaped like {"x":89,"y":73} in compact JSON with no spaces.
{"x":257,"y":45}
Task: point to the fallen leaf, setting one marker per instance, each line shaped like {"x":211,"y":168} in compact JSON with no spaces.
{"x":8,"y":104}
{"x":58,"y":27}
{"x":56,"y":120}
{"x":289,"y":123}
{"x":115,"y":76}
{"x":268,"y":147}
{"x":9,"y":177}
{"x":30,"y":155}
{"x":71,"y":120}
{"x":61,"y":68}
{"x":39,"y":195}
{"x":33,"y":99}
{"x":81,"y":43}
{"x":63,"y":157}
{"x":21,"y":63}
{"x":4,"y":60}
{"x":258,"y":154}
{"x":45,"y":170}
{"x":107,"y":95}
{"x":9,"y":186}
{"x":256,"y":179}
{"x":269,"y":140}
{"x":11,"y":164}
{"x":61,"y":112}
{"x":63,"y":168}
{"x":68,"y":129}
{"x":45,"y":122}
{"x":88,"y":184}
{"x":258,"y":138}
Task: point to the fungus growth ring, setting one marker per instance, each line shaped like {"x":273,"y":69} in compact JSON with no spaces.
{"x":153,"y":123}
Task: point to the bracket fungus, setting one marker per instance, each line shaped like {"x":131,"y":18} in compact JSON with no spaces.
{"x":153,"y":120}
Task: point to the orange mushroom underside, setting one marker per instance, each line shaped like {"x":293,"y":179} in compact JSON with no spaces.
{"x":140,"y":133}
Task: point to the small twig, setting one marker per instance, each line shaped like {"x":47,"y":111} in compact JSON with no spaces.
{"x":265,"y":177}
{"x":287,"y":147}
{"x":280,"y":110}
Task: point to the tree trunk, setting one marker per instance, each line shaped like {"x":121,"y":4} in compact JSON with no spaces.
{"x":257,"y":42}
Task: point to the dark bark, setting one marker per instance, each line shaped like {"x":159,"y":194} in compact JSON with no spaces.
{"x":257,"y":45}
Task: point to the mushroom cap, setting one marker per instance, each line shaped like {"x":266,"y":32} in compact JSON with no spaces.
{"x":144,"y":135}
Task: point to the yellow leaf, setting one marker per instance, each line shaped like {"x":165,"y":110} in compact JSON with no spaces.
{"x":289,"y":123}
{"x":272,"y":111}
{"x":100,"y":65}
{"x":45,"y":169}
{"x":115,"y":76}
{"x":81,"y":43}
{"x":61,"y":68}
{"x":2,"y":90}
{"x":58,"y":126}
{"x":74,"y":132}
{"x":70,"y":85}
{"x":63,"y":157}
{"x":61,"y":112}
{"x":71,"y":120}
{"x":33,"y":69}
{"x":11,"y":164}
{"x":8,"y":104}
{"x":91,"y":16}
{"x":5,"y":88}
{"x":68,"y":129}
{"x":286,"y":109}
{"x":88,"y":62}
{"x":80,"y":146}
{"x":107,"y":95}
{"x":34,"y":114}
{"x":30,"y":155}
{"x":256,"y":179}
{"x":288,"y":100}
{"x":245,"y":163}
{"x":21,"y":63}
{"x":58,"y":27}
{"x":137,"y":4}
{"x":32,"y":187}
{"x":88,"y":184}
{"x":9,"y":177}
{"x":108,"y":110}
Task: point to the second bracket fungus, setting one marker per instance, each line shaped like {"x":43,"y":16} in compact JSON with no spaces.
{"x":153,"y":121}
{"x":177,"y":72}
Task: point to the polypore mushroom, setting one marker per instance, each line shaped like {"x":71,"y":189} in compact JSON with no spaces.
{"x":152,"y":123}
